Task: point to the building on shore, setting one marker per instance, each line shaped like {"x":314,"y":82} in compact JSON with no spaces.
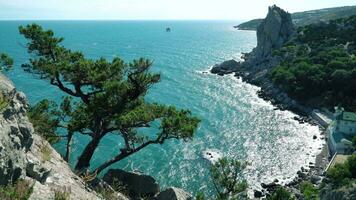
{"x":341,"y":132}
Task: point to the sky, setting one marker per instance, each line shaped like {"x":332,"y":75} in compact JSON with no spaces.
{"x":153,"y":9}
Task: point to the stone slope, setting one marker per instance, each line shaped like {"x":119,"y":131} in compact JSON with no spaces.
{"x":25,"y":155}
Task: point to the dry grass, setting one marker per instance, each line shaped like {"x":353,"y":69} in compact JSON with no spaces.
{"x":21,"y":190}
{"x":4,"y":102}
{"x":62,"y":193}
{"x":46,"y":152}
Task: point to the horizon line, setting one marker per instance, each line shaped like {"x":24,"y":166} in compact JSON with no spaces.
{"x":123,"y":19}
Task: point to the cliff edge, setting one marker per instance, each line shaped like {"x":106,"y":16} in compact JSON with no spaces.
{"x":26,"y":156}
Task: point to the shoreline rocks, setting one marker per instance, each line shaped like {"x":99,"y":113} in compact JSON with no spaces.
{"x":139,"y":185}
{"x":136,"y":183}
{"x":226,"y":67}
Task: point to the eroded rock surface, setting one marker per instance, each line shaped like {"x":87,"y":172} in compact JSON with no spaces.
{"x":25,"y":155}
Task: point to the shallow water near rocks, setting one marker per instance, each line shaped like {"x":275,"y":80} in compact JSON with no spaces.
{"x":235,"y":121}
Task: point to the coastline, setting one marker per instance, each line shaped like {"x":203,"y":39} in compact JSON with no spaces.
{"x":277,"y":97}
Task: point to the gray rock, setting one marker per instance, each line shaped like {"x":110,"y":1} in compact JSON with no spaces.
{"x":315,"y":179}
{"x":225,"y":67}
{"x":138,"y":184}
{"x":274,"y":31}
{"x":21,"y":156}
{"x":257,"y":194}
{"x":301,"y":175}
{"x":174,"y":194}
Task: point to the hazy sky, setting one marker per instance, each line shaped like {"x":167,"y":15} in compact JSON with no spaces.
{"x":154,"y":9}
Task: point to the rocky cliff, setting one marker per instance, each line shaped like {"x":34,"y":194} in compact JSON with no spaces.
{"x":25,"y":155}
{"x":274,"y":31}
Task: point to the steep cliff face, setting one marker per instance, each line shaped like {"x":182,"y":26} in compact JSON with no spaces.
{"x":25,"y":155}
{"x":274,"y":31}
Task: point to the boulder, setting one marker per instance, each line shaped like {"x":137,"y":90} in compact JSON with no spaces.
{"x":136,"y":183}
{"x":269,"y":185}
{"x":301,"y":175}
{"x":315,"y":179}
{"x":257,"y":194}
{"x":174,"y":194}
{"x":225,"y":67}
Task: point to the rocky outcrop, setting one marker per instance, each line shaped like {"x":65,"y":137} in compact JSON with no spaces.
{"x":174,"y":194}
{"x":137,"y":184}
{"x":274,"y":31}
{"x":15,"y":133}
{"x":226,"y":67}
{"x":25,"y":155}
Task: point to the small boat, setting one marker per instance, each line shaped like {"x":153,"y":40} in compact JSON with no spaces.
{"x":168,"y":29}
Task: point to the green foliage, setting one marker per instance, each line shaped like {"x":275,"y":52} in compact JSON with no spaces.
{"x":318,"y":69}
{"x":200,"y":196}
{"x":102,"y":97}
{"x":309,"y":191}
{"x":6,"y":62}
{"x":21,"y":190}
{"x":227,"y":179}
{"x":280,"y":194}
{"x":41,"y":116}
{"x":354,"y":141}
{"x":343,"y":174}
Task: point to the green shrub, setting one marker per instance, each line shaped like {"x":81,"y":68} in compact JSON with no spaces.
{"x":309,"y":191}
{"x":44,"y":124}
{"x":21,"y":190}
{"x":280,"y":194}
{"x":343,"y":174}
{"x":317,"y":69}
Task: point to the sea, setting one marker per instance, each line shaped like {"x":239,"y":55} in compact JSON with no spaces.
{"x":236,"y":123}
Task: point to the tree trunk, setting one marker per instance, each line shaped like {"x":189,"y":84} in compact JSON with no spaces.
{"x":121,"y":156}
{"x":111,"y":161}
{"x":87,"y":154}
{"x":69,"y":142}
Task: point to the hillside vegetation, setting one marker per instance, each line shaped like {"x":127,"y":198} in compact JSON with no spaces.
{"x":319,"y":65}
{"x":308,"y":17}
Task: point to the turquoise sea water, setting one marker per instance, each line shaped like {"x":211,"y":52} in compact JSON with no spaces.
{"x":235,"y":122}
